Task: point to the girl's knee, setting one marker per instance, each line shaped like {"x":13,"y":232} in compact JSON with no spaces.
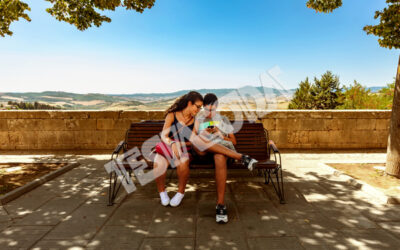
{"x":201,"y":153}
{"x":183,"y":164}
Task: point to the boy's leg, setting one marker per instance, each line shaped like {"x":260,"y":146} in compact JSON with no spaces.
{"x":220,"y":176}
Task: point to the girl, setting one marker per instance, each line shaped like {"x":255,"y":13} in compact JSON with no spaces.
{"x":178,"y":138}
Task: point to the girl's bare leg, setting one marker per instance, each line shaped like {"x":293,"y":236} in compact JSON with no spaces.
{"x":183,"y":175}
{"x":160,"y":170}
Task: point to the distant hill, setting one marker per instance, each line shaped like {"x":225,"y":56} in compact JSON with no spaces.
{"x":146,"y":101}
{"x":135,"y":101}
{"x":218,"y":92}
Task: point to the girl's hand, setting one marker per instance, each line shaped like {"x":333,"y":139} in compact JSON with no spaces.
{"x":176,"y":150}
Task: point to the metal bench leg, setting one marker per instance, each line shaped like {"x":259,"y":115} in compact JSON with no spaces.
{"x":282,"y":198}
{"x":267,"y":176}
{"x":278,"y":185}
{"x":114,"y":187}
{"x":279,"y":182}
{"x":111,"y":189}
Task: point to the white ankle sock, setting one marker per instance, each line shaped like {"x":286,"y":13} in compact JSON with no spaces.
{"x":176,"y":200}
{"x":164,"y":198}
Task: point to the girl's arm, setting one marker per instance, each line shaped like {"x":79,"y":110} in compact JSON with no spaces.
{"x":167,"y":128}
{"x":169,"y":119}
{"x":195,"y":129}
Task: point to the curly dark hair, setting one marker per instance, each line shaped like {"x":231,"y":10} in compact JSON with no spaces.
{"x":183,"y":101}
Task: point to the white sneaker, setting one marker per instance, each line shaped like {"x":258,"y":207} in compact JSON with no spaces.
{"x":176,"y":200}
{"x":164,"y":198}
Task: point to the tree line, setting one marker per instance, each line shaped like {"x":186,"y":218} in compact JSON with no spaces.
{"x":29,"y":105}
{"x":327,"y":93}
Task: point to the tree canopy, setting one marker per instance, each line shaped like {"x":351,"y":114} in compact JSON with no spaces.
{"x":324,"y":5}
{"x":11,"y":11}
{"x":357,"y":96}
{"x":302,"y":98}
{"x":324,"y":93}
{"x":81,"y":13}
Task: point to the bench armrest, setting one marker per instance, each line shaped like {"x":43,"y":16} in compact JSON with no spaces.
{"x":119,"y":147}
{"x":273,"y":146}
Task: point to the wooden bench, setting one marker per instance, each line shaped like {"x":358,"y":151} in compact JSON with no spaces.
{"x":252,"y":139}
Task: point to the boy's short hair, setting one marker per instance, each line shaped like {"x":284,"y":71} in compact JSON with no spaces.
{"x":210,"y":99}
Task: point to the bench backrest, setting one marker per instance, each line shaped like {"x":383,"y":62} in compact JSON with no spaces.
{"x":251,"y":139}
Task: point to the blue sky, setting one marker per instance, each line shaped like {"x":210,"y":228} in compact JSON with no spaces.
{"x":195,"y":44}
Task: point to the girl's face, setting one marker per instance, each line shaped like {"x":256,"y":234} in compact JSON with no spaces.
{"x":195,"y":107}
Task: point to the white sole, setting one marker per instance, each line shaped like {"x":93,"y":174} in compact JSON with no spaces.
{"x":221,"y":219}
{"x":251,"y":164}
{"x":165,"y":205}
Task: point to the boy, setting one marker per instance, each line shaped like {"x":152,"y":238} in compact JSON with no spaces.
{"x":217,"y":128}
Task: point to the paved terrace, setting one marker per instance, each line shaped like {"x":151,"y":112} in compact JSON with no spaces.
{"x":323,"y":211}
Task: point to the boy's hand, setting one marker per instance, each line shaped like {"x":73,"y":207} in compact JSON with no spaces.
{"x":220,"y":134}
{"x":209,"y":130}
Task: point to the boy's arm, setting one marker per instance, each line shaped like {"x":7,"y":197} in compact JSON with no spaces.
{"x":228,"y":130}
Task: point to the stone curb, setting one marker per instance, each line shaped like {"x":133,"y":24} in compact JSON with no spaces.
{"x":35,"y":183}
{"x":365,"y":187}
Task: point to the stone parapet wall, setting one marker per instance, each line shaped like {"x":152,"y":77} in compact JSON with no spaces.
{"x":328,"y":129}
{"x":72,"y":130}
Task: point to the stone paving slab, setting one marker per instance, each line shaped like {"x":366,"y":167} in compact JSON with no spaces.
{"x":210,"y":235}
{"x":323,"y":211}
{"x":262,"y":219}
{"x":118,"y":237}
{"x":60,"y":244}
{"x":4,"y":216}
{"x":5,"y":224}
{"x":83,"y":223}
{"x":167,"y":243}
{"x":22,"y":237}
{"x":134,"y":214}
{"x":260,"y":243}
{"x":317,"y":238}
{"x":52,"y":213}
{"x":27,"y":203}
{"x":168,"y":221}
{"x":370,"y":238}
{"x":393,"y":227}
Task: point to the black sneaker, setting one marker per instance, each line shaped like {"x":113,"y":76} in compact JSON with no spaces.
{"x":249,"y":162}
{"x":221,"y":215}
